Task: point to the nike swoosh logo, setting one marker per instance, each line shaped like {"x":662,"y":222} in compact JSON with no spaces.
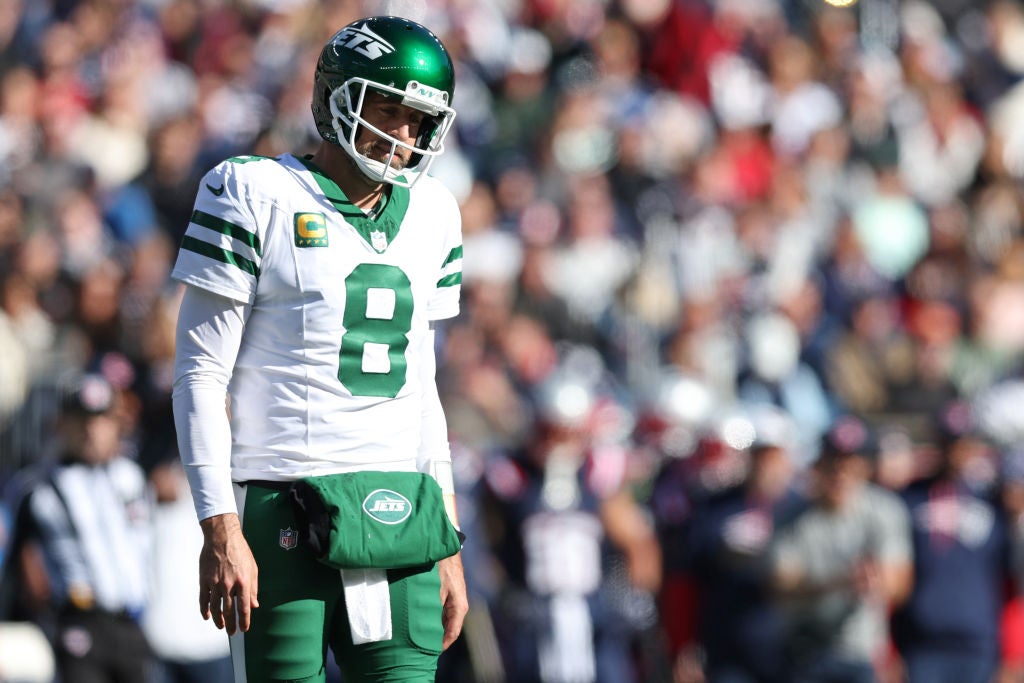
{"x":218,"y":191}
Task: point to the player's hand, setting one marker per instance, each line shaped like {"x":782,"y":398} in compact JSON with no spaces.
{"x":454,"y":602}
{"x":228,"y":577}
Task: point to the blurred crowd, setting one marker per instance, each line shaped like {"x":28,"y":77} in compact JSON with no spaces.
{"x":735,"y":393}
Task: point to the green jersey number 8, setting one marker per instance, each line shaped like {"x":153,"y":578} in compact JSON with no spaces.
{"x":378,"y":318}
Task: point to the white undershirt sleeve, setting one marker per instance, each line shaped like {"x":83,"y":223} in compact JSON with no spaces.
{"x":434,"y":427}
{"x":208,"y":336}
{"x":434,"y":455}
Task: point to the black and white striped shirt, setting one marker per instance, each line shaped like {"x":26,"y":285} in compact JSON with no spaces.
{"x":93,"y":524}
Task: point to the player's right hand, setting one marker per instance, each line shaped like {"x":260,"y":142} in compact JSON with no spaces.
{"x":228,"y":576}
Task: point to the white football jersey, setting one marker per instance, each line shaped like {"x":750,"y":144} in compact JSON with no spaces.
{"x":328,"y":375}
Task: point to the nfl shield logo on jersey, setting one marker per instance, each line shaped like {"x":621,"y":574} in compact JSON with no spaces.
{"x":288,"y":539}
{"x":378,"y":240}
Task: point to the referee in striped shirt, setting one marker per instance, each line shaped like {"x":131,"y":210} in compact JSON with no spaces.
{"x":89,"y":514}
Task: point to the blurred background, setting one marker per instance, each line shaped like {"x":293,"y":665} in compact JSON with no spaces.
{"x":695,"y":231}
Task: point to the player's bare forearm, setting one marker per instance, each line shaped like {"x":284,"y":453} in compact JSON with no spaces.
{"x":628,"y":528}
{"x":228,"y":576}
{"x":454,"y":601}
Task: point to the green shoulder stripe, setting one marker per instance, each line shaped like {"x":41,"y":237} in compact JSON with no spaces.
{"x":219,"y":225}
{"x":450,"y":280}
{"x":219,"y":254}
{"x":454,"y":255}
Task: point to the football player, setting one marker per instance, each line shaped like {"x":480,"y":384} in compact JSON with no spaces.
{"x":312,"y":287}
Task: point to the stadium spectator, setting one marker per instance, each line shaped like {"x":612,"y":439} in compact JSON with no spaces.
{"x":843,"y":564}
{"x":961,"y":548}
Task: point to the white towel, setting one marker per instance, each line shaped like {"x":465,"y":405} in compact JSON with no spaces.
{"x":368,"y":601}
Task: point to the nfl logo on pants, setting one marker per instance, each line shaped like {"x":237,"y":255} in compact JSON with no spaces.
{"x":288,"y":539}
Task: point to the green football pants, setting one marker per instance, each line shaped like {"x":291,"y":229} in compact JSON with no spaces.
{"x":302,"y":611}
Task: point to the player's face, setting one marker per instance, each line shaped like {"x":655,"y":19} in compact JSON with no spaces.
{"x":395,"y":119}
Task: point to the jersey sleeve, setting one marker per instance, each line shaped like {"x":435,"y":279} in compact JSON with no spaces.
{"x":222,"y":249}
{"x":445,"y":301}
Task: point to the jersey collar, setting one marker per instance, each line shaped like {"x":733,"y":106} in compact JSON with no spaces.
{"x":378,"y":229}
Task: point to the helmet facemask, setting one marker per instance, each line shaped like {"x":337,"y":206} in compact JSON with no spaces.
{"x":346,"y":106}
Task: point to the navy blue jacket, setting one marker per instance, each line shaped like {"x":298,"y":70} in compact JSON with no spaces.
{"x":961,"y":551}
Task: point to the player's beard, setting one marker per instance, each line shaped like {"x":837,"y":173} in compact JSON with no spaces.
{"x":379,"y":149}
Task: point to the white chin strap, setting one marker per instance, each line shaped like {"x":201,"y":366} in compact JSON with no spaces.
{"x":383,"y":171}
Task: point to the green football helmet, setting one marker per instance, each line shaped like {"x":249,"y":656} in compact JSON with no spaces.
{"x":399,"y":58}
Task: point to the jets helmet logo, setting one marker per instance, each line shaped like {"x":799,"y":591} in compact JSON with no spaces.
{"x":387,"y":506}
{"x":364,"y":41}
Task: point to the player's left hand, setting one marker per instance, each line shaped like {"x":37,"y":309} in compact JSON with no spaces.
{"x":454,"y":601}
